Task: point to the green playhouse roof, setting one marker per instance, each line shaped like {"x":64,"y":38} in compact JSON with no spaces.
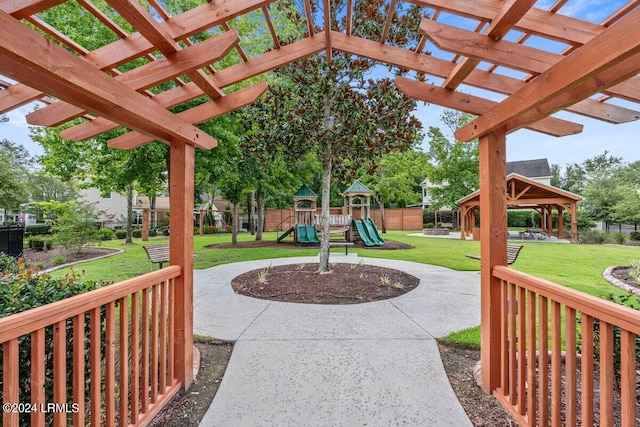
{"x":357,"y":187}
{"x":305,"y":191}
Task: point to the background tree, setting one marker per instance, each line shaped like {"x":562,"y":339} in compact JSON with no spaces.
{"x":15,"y":162}
{"x":454,"y":167}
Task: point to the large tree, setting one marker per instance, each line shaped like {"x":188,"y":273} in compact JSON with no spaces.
{"x":454,"y":166}
{"x":15,"y":162}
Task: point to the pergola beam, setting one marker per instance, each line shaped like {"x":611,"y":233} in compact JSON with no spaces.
{"x":478,"y":106}
{"x":29,"y":57}
{"x":146,"y":76}
{"x":198,"y":114}
{"x":509,"y":15}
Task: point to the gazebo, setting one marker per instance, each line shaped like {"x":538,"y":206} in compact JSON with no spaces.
{"x":525,"y":193}
{"x":581,"y":67}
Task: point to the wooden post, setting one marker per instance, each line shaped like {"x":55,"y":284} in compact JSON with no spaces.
{"x":201,"y":222}
{"x":574,"y":223}
{"x":461,"y":218}
{"x":181,"y":188}
{"x":560,"y":222}
{"x":145,"y":225}
{"x":493,"y":250}
{"x":550,"y":219}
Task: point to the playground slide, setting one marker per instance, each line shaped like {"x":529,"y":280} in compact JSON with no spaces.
{"x":301,"y":234}
{"x":289,"y":231}
{"x":373,"y":232}
{"x":312,"y":234}
{"x":362,"y":232}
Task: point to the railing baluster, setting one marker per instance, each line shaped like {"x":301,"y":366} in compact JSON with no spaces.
{"x":145,"y":349}
{"x":37,"y":376}
{"x":163,"y":336}
{"x":531,"y":357}
{"x":543,"y":366}
{"x":556,"y":366}
{"x":135,"y":357}
{"x":522,"y":353}
{"x":512,"y":345}
{"x":10,"y":381}
{"x":123,"y":381}
{"x":171,"y":328}
{"x":110,"y":375}
{"x":95,"y":365}
{"x":586,"y":366}
{"x":628,"y":378}
{"x":606,"y":374}
{"x":78,"y":369}
{"x":571,"y":393}
{"x":60,"y":371}
{"x":154,"y":344}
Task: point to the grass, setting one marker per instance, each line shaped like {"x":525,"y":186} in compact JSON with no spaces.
{"x":576,"y":266}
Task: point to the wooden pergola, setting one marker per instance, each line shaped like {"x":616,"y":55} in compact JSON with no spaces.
{"x":525,"y":193}
{"x":582,"y":67}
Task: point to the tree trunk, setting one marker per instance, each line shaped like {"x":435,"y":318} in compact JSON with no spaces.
{"x":234,"y":225}
{"x":260,"y":215}
{"x":383,"y":219}
{"x":128,"y":240}
{"x":153,"y":219}
{"x":251,"y":217}
{"x":324,"y":216}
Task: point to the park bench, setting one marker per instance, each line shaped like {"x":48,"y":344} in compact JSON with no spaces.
{"x":158,"y":254}
{"x":344,"y":245}
{"x":512,"y":254}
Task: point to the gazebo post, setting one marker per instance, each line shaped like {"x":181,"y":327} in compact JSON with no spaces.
{"x":181,"y":191}
{"x":145,"y":224}
{"x":574,"y":223}
{"x":493,"y":250}
{"x":560,"y":222}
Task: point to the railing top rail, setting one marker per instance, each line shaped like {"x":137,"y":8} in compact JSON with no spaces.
{"x":610,"y":312}
{"x":28,"y":321}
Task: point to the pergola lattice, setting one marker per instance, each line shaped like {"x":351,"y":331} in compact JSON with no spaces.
{"x":582,"y":67}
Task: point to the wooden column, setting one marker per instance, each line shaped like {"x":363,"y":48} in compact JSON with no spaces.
{"x":560,"y":222}
{"x":493,"y":250}
{"x":550,"y":219}
{"x":574,"y":223}
{"x":461,"y":217}
{"x":181,"y":188}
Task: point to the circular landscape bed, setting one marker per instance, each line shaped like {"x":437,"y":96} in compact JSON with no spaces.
{"x":346,"y":284}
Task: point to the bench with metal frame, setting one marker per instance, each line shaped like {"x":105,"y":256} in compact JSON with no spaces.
{"x":512,"y":254}
{"x":158,"y":254}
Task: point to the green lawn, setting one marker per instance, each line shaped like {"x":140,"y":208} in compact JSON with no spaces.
{"x":576,"y":266}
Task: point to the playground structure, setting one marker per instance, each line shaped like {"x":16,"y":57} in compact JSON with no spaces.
{"x":306,"y":217}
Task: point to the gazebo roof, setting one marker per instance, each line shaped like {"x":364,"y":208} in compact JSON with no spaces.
{"x":305,"y":192}
{"x":524,"y":192}
{"x":357,"y":188}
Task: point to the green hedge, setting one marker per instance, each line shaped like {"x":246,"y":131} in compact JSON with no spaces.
{"x":35,"y":230}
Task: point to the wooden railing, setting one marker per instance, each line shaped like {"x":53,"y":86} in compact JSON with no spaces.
{"x":119,"y":369}
{"x":586,"y":381}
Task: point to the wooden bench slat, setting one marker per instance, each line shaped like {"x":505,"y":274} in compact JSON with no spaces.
{"x":158,"y":254}
{"x":512,"y":254}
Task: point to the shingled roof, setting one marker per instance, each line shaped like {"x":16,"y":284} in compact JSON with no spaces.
{"x":536,"y":168}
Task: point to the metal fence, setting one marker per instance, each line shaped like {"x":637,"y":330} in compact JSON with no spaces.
{"x":12,"y":240}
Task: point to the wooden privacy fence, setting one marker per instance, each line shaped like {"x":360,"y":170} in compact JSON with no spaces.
{"x":559,"y":388}
{"x":119,"y":369}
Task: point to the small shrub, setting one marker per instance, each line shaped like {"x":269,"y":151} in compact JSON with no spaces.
{"x":105,"y":234}
{"x":634,"y":235}
{"x":619,"y":237}
{"x":137,"y":233}
{"x":121,"y":234}
{"x":40,"y":243}
{"x":165,"y":231}
{"x":428,"y":225}
{"x":153,"y":232}
{"x":634,"y":271}
{"x":593,"y":237}
{"x":58,"y":260}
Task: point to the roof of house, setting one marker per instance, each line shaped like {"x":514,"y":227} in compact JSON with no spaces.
{"x":535,"y":168}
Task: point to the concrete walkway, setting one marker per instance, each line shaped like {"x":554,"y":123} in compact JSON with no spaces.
{"x":372,"y":364}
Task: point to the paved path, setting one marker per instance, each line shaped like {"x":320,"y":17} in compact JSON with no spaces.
{"x":373,"y":364}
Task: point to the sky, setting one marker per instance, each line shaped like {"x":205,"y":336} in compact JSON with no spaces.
{"x":621,"y":140}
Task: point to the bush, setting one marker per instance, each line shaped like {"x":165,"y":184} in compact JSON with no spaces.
{"x":518,"y":218}
{"x":58,"y":260}
{"x":428,"y":225}
{"x":137,"y":233}
{"x":38,"y":243}
{"x":106,"y":234}
{"x":121,"y":234}
{"x":634,"y":235}
{"x":153,"y":232}
{"x":22,"y":290}
{"x":593,"y":237}
{"x":619,"y":237}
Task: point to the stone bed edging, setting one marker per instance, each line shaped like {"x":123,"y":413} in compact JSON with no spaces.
{"x":608,"y":276}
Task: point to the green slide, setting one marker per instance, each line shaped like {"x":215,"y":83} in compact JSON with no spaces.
{"x":362,"y":232}
{"x":373,"y":232}
{"x":312,"y":234}
{"x":301,"y":234}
